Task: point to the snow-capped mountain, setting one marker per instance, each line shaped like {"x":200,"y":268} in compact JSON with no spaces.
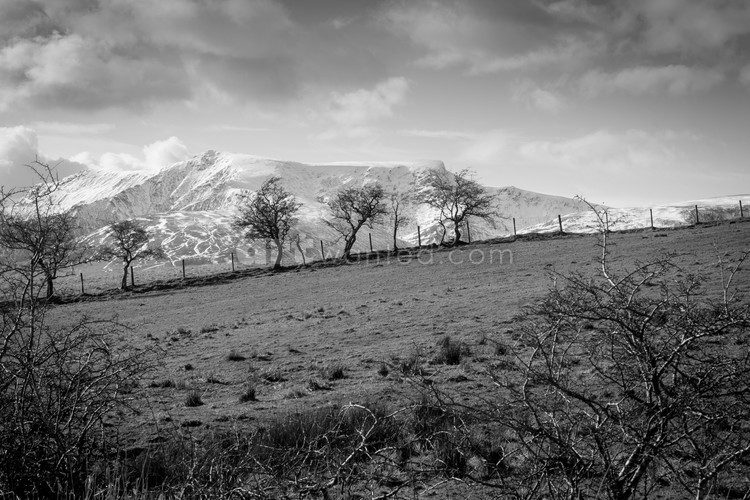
{"x":189,"y":206}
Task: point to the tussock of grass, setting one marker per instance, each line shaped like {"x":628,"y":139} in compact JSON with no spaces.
{"x":335,"y":371}
{"x":193,"y":399}
{"x":235,"y":356}
{"x":249,"y":394}
{"x":411,"y":365}
{"x":450,"y":351}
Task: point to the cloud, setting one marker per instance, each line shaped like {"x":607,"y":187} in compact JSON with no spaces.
{"x":68,"y":128}
{"x":95,"y":55}
{"x":19,"y":147}
{"x":485,"y":39}
{"x":488,"y":147}
{"x":156,"y":156}
{"x":674,"y":80}
{"x":618,"y":167}
{"x":437,"y":134}
{"x":689,"y":26}
{"x":745,"y":76}
{"x":354,"y":112}
{"x":164,"y":153}
{"x":533,"y":96}
{"x":602,"y":152}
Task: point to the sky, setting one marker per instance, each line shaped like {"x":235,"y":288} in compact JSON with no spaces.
{"x":638,"y":102}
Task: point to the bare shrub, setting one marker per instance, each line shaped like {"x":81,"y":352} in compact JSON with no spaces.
{"x":59,"y":384}
{"x":628,"y":385}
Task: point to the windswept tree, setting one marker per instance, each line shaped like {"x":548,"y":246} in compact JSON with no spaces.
{"x":129,"y":244}
{"x":352,"y":208}
{"x":457,"y":197}
{"x":400,"y":203}
{"x":37,"y":238}
{"x":268,"y":214}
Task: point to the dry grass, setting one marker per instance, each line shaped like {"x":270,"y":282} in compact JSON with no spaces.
{"x":292,"y":323}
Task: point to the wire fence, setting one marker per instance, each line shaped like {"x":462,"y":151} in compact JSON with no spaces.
{"x":305,"y":249}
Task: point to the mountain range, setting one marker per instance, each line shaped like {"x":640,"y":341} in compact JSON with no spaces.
{"x":188,"y":206}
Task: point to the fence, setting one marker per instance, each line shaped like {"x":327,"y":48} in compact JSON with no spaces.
{"x":95,"y":279}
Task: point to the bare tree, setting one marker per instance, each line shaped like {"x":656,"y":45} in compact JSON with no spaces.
{"x":36,"y":236}
{"x":352,"y":208}
{"x":457,"y":197}
{"x":130,"y":243}
{"x":268,"y":214}
{"x":399,"y":206}
{"x":58,"y":380}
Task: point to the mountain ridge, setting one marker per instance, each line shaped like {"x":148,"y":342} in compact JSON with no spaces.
{"x":189,"y":205}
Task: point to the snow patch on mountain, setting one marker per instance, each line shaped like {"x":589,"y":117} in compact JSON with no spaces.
{"x":189,"y":205}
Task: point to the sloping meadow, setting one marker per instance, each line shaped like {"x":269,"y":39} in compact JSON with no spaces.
{"x":388,"y":376}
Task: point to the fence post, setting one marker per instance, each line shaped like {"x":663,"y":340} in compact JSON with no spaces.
{"x":370,"y":235}
{"x":742,"y":214}
{"x":514,"y":227}
{"x":132,"y":277}
{"x":322,"y":254}
{"x":82,"y":292}
{"x":697,"y":218}
{"x":559,"y":221}
{"x":232,"y":261}
{"x":183,"y":268}
{"x":468,"y":231}
{"x":651,"y":212}
{"x":419,"y":238}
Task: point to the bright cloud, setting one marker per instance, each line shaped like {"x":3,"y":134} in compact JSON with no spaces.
{"x":164,"y":153}
{"x":601,"y":152}
{"x":673,"y":79}
{"x":354,"y":112}
{"x":157,"y":155}
{"x":611,"y":165}
{"x":19,"y":147}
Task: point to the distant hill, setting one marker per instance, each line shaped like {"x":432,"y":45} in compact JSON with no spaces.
{"x":189,"y":205}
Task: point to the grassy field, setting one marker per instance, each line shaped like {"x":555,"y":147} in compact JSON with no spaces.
{"x":320,"y":336}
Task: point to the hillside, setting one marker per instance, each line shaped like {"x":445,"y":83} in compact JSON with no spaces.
{"x":189,"y":205}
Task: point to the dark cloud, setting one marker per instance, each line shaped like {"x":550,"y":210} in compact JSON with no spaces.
{"x":90,"y":55}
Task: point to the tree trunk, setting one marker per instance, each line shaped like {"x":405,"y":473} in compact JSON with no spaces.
{"x":395,"y":230}
{"x":348,"y":244}
{"x":279,"y":254}
{"x":457,"y":230}
{"x":301,"y":251}
{"x":50,"y":286}
{"x":124,"y":284}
